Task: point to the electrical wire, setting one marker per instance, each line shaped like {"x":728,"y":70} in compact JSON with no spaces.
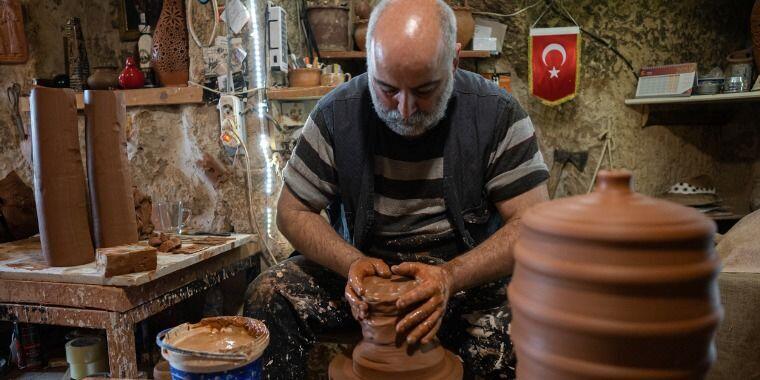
{"x":191,"y":29}
{"x":513,"y":14}
{"x":223,"y":92}
{"x":232,"y":127}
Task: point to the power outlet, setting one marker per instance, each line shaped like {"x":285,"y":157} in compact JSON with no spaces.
{"x":231,"y":119}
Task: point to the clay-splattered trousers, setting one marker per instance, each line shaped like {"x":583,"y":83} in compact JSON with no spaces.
{"x":301,"y":302}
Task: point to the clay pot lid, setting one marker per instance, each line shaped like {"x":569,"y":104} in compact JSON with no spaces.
{"x":382,"y":290}
{"x":615,"y":212}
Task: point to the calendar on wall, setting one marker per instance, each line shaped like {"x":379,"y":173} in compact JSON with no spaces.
{"x":670,"y":80}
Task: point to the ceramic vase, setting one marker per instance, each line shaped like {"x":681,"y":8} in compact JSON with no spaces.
{"x":465,"y":25}
{"x":360,"y":34}
{"x":171,"y":60}
{"x":614,"y":285}
{"x":362,"y":9}
{"x":131,"y":77}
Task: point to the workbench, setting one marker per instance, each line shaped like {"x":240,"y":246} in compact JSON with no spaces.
{"x":32,"y":292}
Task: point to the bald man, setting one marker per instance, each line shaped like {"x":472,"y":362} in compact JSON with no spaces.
{"x":423,"y":170}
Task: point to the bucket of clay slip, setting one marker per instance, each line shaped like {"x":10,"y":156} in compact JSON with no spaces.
{"x":226,"y":354}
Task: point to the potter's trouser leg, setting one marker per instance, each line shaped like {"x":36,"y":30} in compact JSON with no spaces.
{"x":476,"y":327}
{"x":298,"y":300}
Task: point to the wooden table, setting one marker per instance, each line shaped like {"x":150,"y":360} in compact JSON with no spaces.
{"x":32,"y":292}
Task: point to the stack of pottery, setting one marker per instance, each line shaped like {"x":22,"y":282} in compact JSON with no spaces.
{"x":378,"y":356}
{"x":75,"y":54}
{"x":614,"y":285}
{"x":362,"y":10}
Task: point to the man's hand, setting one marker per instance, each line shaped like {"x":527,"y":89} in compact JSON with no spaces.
{"x":359,"y":269}
{"x":433,"y":293}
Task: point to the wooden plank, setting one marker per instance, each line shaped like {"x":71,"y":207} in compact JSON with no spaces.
{"x":22,"y":260}
{"x":363,"y":54}
{"x":113,"y":298}
{"x":698,"y":99}
{"x":298,"y":93}
{"x":54,"y":315}
{"x":144,"y":97}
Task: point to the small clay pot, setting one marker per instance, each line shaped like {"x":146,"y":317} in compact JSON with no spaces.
{"x":304,"y":77}
{"x":330,"y":27}
{"x":161,"y":371}
{"x":465,"y":25}
{"x":103,"y":78}
{"x":362,"y":9}
{"x":360,"y":34}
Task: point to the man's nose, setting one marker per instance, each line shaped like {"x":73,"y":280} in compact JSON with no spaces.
{"x":406,"y":104}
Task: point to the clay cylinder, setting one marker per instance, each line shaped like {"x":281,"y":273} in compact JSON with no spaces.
{"x":614,"y":285}
{"x":110,"y":183}
{"x":59,"y":185}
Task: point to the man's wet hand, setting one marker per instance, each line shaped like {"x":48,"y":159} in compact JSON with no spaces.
{"x":432,"y":293}
{"x":359,"y":269}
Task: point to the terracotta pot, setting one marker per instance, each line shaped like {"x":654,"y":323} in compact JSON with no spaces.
{"x":465,"y":25}
{"x":131,"y":77}
{"x":360,"y":34}
{"x":362,"y":9}
{"x":330,"y":27}
{"x":754,"y":22}
{"x":171,"y":61}
{"x":103,"y":78}
{"x":378,"y":356}
{"x":304,"y":77}
{"x":614,"y":285}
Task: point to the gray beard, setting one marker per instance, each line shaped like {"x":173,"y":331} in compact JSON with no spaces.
{"x":418,"y":123}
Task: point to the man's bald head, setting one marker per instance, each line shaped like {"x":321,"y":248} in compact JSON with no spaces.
{"x":411,"y":32}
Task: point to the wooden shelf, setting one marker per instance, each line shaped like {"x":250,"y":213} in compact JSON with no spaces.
{"x":363,"y":54}
{"x":144,"y":97}
{"x":697,"y":99}
{"x":298,"y":93}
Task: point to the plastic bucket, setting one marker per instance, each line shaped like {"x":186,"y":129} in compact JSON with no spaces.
{"x":238,"y":364}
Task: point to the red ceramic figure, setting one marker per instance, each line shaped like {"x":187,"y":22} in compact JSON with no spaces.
{"x":131,"y":77}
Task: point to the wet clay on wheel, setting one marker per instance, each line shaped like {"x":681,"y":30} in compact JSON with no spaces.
{"x":378,"y":356}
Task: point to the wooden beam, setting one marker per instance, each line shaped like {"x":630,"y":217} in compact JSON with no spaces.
{"x":144,"y":97}
{"x":363,"y":54}
{"x":298,"y":93}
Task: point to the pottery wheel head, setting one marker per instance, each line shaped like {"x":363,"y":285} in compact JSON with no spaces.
{"x":383,"y":290}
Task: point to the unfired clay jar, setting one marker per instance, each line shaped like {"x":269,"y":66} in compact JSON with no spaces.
{"x":465,"y":25}
{"x":110,"y":183}
{"x":614,"y":285}
{"x":330,"y":27}
{"x":171,"y":60}
{"x":360,"y":34}
{"x":59,"y":185}
{"x":377,"y":357}
{"x":103,"y":78}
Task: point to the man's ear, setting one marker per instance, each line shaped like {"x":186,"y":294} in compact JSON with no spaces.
{"x":456,"y":56}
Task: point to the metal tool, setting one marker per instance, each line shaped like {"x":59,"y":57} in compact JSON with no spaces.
{"x":561,"y":159}
{"x":14,"y":93}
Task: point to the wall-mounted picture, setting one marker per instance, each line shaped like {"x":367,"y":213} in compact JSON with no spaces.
{"x":129,"y":17}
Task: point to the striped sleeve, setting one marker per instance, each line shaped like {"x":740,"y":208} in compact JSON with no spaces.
{"x":310,"y":173}
{"x":515,"y":164}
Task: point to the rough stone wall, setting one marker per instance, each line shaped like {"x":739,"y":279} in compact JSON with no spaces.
{"x":165,"y":143}
{"x":648,"y":32}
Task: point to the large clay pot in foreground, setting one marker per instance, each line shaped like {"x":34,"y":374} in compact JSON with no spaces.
{"x":614,"y":285}
{"x":171,"y":60}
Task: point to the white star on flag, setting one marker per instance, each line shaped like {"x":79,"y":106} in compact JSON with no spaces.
{"x":554,"y":73}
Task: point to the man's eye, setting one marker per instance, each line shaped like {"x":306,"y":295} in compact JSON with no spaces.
{"x":390,"y":91}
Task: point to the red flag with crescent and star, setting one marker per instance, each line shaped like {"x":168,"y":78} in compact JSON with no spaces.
{"x":554,"y":63}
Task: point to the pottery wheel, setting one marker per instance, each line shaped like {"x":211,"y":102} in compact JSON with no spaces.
{"x":342,"y":368}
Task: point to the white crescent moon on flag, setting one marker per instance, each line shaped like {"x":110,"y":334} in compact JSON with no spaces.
{"x":551,"y":47}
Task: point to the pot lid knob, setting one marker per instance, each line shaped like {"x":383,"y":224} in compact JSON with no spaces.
{"x":614,"y":181}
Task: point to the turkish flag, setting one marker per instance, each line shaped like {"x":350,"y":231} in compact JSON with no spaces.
{"x":554,"y":63}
